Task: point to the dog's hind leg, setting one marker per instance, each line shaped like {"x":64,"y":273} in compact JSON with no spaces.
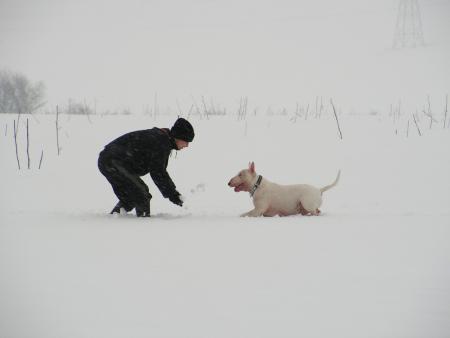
{"x":316,"y":212}
{"x":302,"y":210}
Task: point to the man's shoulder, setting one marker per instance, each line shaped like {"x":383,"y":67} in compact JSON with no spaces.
{"x":153,"y":132}
{"x":161,"y":137}
{"x":162,"y":131}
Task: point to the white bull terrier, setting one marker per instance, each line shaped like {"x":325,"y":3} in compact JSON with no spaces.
{"x":271,"y":199}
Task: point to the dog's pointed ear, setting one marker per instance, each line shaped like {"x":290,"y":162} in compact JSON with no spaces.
{"x":251,"y":166}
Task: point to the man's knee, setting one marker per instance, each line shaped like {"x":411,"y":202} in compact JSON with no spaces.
{"x":106,"y":164}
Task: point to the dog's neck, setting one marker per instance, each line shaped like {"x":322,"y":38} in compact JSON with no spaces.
{"x":255,"y":186}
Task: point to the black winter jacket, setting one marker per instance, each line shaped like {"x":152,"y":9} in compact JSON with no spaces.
{"x":146,"y":151}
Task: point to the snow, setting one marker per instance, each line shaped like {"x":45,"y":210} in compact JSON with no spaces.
{"x":375,"y":264}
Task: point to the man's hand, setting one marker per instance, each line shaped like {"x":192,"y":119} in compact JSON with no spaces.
{"x":176,"y":200}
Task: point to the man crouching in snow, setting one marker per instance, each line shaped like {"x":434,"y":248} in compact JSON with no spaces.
{"x":138,"y":153}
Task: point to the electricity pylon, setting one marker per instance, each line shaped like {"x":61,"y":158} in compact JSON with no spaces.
{"x":408,"y":30}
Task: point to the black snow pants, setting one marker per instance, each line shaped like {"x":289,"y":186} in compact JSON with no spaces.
{"x":129,"y":188}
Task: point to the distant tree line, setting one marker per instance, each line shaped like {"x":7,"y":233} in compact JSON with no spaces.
{"x":18,"y":95}
{"x":77,"y":108}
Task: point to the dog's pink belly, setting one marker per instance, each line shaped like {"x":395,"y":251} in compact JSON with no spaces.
{"x":274,"y":212}
{"x":270,"y":213}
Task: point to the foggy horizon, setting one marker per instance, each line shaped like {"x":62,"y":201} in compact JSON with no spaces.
{"x":123,"y":54}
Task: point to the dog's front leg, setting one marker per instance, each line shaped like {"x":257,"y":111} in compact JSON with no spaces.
{"x":257,"y":212}
{"x":245,"y":214}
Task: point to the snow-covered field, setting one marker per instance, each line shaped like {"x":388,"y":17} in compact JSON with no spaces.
{"x":375,"y":264}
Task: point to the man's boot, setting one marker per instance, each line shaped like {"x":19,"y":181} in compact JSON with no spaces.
{"x":143,"y":211}
{"x":118,"y":207}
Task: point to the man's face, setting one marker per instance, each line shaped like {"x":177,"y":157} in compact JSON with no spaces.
{"x":181,"y":144}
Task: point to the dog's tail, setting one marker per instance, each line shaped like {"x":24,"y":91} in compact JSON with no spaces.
{"x":332,"y":184}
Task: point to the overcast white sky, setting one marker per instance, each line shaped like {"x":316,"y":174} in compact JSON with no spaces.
{"x":120,"y":53}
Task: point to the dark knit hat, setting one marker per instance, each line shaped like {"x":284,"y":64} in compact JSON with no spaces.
{"x":182,"y":130}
